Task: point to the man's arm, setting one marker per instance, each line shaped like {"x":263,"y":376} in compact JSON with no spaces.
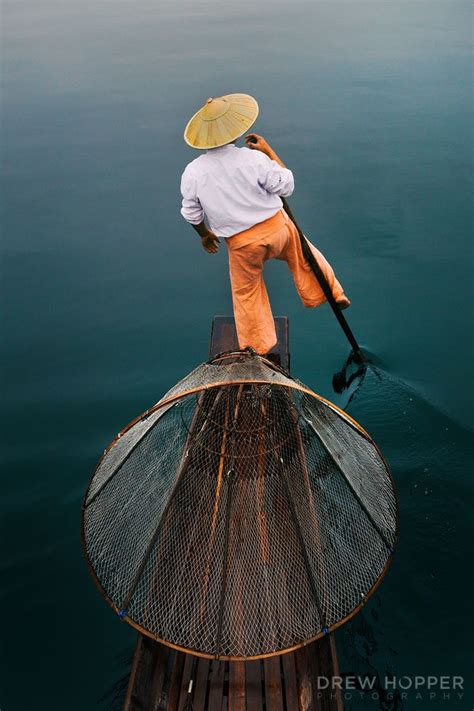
{"x":275,"y":177}
{"x":193,"y":213}
{"x":258,"y":143}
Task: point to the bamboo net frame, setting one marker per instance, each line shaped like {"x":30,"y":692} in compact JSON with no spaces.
{"x":240,"y":517}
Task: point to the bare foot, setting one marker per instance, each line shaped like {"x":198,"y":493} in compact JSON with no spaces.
{"x":343,"y":303}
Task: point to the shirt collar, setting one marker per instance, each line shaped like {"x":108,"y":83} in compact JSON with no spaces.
{"x":228,"y":146}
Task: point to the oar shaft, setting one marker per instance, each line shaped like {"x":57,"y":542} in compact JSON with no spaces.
{"x":308,"y":255}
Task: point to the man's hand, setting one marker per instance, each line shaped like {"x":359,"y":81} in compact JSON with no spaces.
{"x":258,"y":143}
{"x":210,"y":242}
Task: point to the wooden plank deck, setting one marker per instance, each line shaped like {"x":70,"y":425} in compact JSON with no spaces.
{"x":160,"y":676}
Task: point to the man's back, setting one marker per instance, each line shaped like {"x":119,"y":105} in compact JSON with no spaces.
{"x":235,"y":188}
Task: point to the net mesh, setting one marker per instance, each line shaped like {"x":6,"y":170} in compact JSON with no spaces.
{"x":241,"y":516}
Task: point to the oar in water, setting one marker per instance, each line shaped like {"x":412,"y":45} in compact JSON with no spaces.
{"x":308,"y":255}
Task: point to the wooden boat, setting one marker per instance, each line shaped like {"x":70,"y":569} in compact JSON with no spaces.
{"x":237,"y":524}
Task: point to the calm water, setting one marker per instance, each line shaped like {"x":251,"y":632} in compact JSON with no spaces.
{"x":107,"y":296}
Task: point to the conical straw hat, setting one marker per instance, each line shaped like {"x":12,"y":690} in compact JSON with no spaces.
{"x":221,"y":120}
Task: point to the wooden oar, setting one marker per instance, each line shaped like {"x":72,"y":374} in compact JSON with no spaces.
{"x":308,"y":255}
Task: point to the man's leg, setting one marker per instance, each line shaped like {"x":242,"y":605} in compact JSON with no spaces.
{"x":253,"y":315}
{"x":306,"y":283}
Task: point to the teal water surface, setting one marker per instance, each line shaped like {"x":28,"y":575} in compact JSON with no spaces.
{"x":108,"y":297}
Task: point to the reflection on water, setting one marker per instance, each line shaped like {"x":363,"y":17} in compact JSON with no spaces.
{"x":409,"y":626}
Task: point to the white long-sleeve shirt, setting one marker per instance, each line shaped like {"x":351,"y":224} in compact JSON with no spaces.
{"x":233,"y":188}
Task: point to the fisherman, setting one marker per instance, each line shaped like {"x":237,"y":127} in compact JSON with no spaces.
{"x":234,"y":193}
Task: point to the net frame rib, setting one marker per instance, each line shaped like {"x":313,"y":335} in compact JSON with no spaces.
{"x":179,"y":477}
{"x":304,"y":552}
{"x":375,"y":525}
{"x":146,"y":432}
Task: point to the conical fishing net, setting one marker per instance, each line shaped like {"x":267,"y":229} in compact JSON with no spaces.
{"x":241,"y":516}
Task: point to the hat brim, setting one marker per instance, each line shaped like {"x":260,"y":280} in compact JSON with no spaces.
{"x":205,"y":134}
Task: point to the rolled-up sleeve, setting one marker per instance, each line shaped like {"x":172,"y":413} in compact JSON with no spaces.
{"x":191,"y":208}
{"x":275,"y":179}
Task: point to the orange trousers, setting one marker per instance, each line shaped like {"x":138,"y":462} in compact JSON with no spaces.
{"x":275,"y":238}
